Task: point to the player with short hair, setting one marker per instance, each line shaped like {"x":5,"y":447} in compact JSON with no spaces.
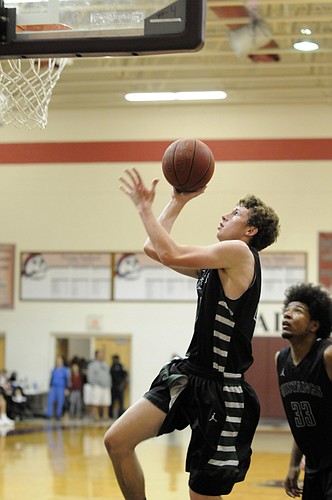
{"x":305,"y":382}
{"x":206,"y":389}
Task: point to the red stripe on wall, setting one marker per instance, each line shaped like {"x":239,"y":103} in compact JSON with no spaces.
{"x":146,"y":151}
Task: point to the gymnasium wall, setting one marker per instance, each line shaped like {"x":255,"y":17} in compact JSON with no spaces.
{"x":59,"y":192}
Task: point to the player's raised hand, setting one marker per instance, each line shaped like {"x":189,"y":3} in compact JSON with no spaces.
{"x":132,"y":184}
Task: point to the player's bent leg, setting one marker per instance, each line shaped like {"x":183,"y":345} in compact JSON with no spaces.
{"x":140,"y":422}
{"x":197,"y":496}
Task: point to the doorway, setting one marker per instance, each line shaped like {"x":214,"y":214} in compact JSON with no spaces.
{"x":85,"y":347}
{"x":70,"y":347}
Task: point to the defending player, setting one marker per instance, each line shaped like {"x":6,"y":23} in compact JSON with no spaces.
{"x":305,"y":376}
{"x":206,"y":389}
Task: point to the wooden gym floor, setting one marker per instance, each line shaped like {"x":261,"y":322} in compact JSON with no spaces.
{"x":66,"y":460}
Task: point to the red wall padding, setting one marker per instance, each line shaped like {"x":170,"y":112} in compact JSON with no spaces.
{"x":262,"y":375}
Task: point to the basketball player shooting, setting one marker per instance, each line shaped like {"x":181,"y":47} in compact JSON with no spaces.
{"x":205,"y":389}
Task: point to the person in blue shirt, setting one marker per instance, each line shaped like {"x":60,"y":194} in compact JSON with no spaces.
{"x":58,"y":386}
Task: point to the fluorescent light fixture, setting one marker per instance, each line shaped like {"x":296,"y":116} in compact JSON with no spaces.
{"x":175,"y":96}
{"x":306,"y":45}
{"x":200,"y":96}
{"x":149,"y":96}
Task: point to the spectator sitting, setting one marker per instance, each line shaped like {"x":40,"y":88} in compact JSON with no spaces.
{"x":4,"y":419}
{"x":18,"y":404}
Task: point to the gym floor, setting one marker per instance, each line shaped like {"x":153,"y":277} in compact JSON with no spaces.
{"x":66,"y":460}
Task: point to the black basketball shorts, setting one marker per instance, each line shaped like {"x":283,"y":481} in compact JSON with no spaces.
{"x":318,"y":486}
{"x":223,"y":413}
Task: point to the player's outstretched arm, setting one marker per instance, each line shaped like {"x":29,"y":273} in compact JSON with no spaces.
{"x":291,"y":482}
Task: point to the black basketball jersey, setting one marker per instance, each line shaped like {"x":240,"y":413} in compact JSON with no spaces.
{"x":306,"y":393}
{"x":224,"y":327}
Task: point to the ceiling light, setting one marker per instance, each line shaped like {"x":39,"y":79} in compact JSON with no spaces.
{"x":149,"y":96}
{"x":306,"y":31}
{"x":200,"y":96}
{"x":306,"y":45}
{"x":175,"y":96}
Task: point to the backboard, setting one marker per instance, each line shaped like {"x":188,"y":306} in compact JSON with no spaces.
{"x":93,"y":28}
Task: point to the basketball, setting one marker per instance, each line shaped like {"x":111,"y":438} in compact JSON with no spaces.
{"x":188,"y":164}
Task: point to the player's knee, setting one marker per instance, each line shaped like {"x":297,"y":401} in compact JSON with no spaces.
{"x":114,"y":441}
{"x":110,"y":441}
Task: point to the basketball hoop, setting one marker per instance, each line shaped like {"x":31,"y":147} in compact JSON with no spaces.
{"x":26,"y":85}
{"x":26,"y":89}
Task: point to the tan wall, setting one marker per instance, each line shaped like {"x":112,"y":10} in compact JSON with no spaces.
{"x":71,"y":206}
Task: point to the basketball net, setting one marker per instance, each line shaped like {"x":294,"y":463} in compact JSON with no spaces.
{"x":26,"y":87}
